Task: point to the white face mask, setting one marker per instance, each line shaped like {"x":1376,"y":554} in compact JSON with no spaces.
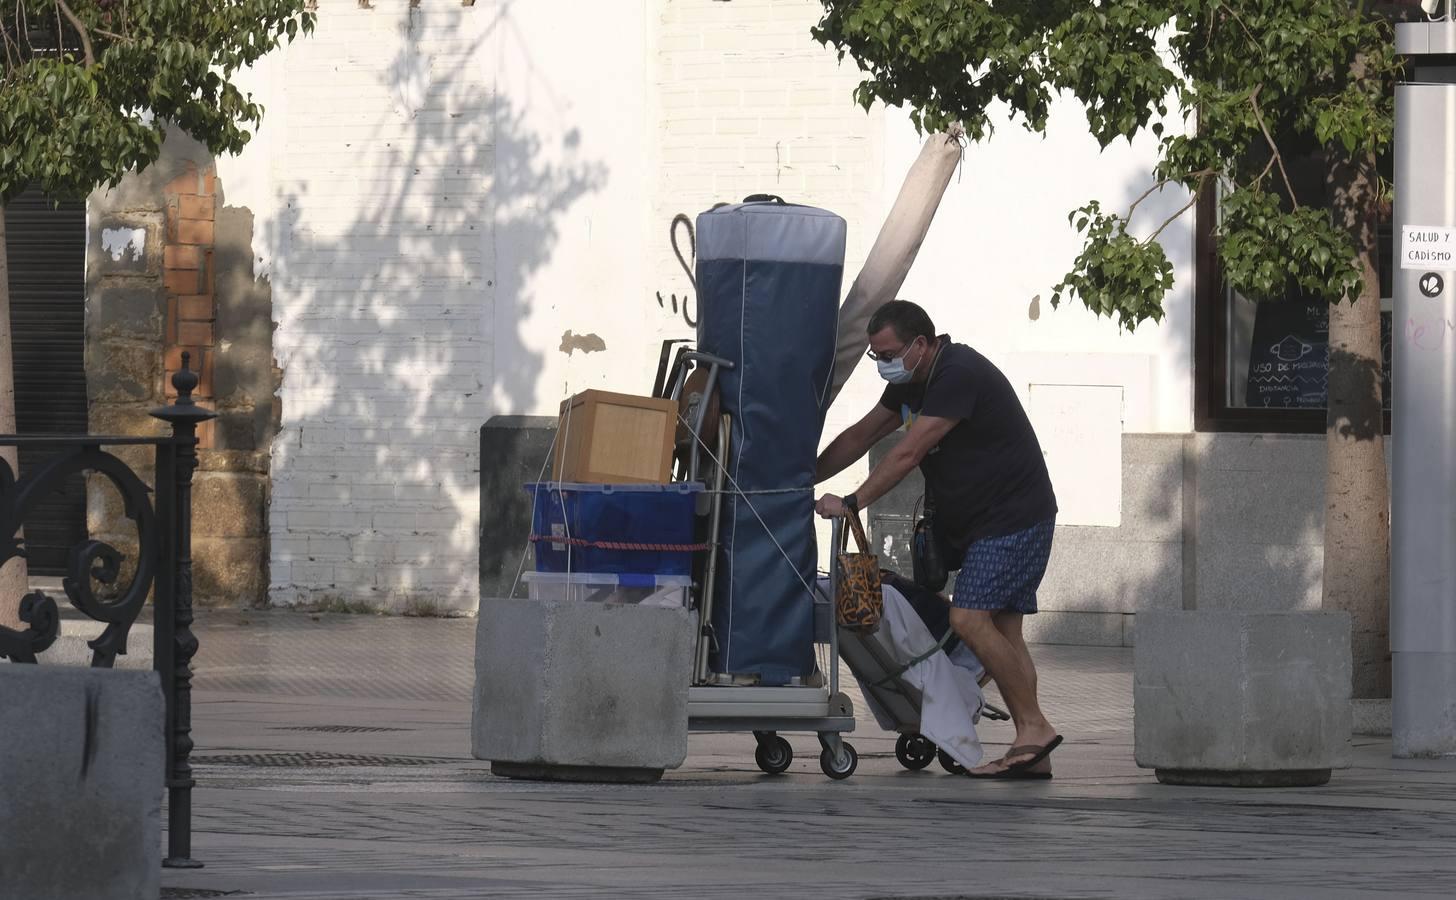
{"x":894,"y":370}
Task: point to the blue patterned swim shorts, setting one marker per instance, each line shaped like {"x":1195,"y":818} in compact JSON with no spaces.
{"x":1003,"y":573}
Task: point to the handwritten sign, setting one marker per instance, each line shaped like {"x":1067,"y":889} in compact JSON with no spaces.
{"x":1289,"y":358}
{"x":1289,"y":355}
{"x":1427,"y":247}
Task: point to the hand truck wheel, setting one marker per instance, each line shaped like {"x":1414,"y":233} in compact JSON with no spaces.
{"x":842,"y":767}
{"x":774,"y":754}
{"x":914,"y":751}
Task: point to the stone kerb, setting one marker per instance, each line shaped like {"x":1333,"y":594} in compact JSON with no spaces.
{"x":1242,"y":699}
{"x":581,"y":691}
{"x":80,"y":783}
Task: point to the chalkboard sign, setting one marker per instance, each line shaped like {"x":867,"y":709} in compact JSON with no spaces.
{"x":1289,"y":358}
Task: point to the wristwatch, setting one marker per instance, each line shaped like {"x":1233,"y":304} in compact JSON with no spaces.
{"x":851,"y":502}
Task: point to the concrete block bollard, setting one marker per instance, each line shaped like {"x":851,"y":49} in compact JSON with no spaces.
{"x":1242,"y":699}
{"x":81,"y":764}
{"x":581,"y":691}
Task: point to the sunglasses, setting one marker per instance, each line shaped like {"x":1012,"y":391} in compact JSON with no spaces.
{"x":892,"y":355}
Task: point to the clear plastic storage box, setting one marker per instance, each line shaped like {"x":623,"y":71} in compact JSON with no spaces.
{"x":609,"y":587}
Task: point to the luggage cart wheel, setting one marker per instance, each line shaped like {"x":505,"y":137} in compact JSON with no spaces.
{"x":773,"y":754}
{"x":948,"y":763}
{"x":914,"y":751}
{"x":841,"y":767}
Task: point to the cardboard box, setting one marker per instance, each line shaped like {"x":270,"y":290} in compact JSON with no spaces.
{"x":607,"y":438}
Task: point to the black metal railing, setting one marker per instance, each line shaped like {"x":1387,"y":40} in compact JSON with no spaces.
{"x":163,"y":569}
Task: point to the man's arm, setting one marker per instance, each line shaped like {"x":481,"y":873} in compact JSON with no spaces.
{"x":855,"y":442}
{"x":921,"y":439}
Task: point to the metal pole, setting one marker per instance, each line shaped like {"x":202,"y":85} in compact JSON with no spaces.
{"x":1423,"y":402}
{"x":837,"y":534}
{"x":184,"y":416}
{"x":710,"y":575}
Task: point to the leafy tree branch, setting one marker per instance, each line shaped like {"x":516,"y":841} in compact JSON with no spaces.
{"x":83,"y":105}
{"x":1241,"y":76}
{"x":81,"y":32}
{"x":1274,"y":155}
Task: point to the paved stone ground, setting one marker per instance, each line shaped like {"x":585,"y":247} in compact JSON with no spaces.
{"x":333,"y":762}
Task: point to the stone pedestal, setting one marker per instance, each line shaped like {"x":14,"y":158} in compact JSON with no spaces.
{"x":1242,"y":699}
{"x":581,"y":691}
{"x":81,"y":760}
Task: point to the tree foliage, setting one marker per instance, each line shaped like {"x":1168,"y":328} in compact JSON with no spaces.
{"x":87,"y":87}
{"x":1249,"y":80}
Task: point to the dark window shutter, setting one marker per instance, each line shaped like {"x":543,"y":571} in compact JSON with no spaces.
{"x":47,"y":257}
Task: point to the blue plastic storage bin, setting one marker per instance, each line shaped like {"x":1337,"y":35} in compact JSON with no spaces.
{"x":582,"y":516}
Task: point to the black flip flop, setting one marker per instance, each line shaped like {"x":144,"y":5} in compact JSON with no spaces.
{"x":1023,"y":770}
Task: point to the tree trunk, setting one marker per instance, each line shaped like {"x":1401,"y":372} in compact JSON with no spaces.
{"x":1357,"y":493}
{"x":13,"y":575}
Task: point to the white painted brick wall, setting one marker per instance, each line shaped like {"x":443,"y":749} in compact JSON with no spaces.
{"x":382,"y":164}
{"x":443,"y":192}
{"x":399,"y":330}
{"x":749,"y":103}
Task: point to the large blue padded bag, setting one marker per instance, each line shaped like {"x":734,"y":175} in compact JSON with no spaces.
{"x":769,"y":275}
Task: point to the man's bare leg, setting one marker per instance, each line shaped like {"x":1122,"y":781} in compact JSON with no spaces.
{"x":996,"y":640}
{"x":1036,"y":731}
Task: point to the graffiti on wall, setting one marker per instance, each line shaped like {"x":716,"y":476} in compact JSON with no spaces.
{"x":686,"y":306}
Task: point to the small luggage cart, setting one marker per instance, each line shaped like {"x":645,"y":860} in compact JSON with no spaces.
{"x":882,"y":678}
{"x":719,"y":702}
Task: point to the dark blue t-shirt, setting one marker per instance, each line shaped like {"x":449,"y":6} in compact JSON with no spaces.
{"x":987,"y":476}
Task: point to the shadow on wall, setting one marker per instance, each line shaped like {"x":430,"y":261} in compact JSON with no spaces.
{"x":390,"y":307}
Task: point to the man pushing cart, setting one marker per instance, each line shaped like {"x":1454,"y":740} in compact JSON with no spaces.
{"x":994,"y":507}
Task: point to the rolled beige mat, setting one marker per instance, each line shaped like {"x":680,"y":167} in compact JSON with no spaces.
{"x":894,"y":249}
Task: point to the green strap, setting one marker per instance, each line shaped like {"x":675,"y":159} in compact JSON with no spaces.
{"x":940,"y":645}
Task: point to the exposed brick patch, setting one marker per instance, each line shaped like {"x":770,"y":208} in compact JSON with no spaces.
{"x":188,"y":182}
{"x":177,"y":256}
{"x":204,"y":384}
{"x":195,"y":333}
{"x":194,"y":231}
{"x":206,"y":432}
{"x":182,"y":281}
{"x":200,"y":257}
{"x":173,"y":360}
{"x":191,"y":210}
{"x":196,"y":308}
{"x":201,"y":363}
{"x":198,"y":207}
